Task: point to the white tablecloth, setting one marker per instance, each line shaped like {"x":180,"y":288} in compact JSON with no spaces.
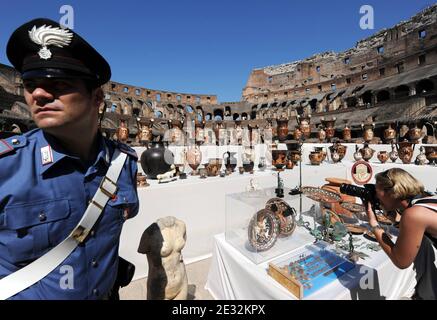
{"x":234,"y":277}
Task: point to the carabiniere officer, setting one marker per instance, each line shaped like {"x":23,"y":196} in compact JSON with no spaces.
{"x":48,"y":176}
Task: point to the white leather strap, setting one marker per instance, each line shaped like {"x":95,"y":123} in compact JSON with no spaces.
{"x":38,"y":269}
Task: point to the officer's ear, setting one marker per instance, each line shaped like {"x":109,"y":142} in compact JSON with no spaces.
{"x":98,"y":97}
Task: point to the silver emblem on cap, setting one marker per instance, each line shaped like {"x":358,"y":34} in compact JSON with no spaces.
{"x":49,"y":36}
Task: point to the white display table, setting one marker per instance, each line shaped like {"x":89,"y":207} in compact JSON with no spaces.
{"x":234,"y":277}
{"x":201,"y":203}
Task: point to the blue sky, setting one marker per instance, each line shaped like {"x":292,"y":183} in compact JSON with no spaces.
{"x":204,"y":46}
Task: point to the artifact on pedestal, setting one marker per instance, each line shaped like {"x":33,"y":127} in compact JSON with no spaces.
{"x":421,"y":158}
{"x":304,"y":125}
{"x":282,"y":129}
{"x":357,"y":154}
{"x":329,"y":127}
{"x":122,"y":132}
{"x":393,"y":155}
{"x":156,"y":160}
{"x":230,"y":161}
{"x":383,"y":156}
{"x":163,"y":242}
{"x":390,"y":134}
{"x":347,"y":134}
{"x":367,"y":152}
{"x":368,"y":133}
{"x":405,"y":150}
{"x":194,"y":158}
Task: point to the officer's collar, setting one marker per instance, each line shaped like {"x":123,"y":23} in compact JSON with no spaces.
{"x":57,"y":152}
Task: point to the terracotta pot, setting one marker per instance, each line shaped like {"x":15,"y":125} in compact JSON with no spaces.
{"x":156,"y":160}
{"x":321,"y":135}
{"x":329,"y":128}
{"x":279,"y":158}
{"x":383,"y":156}
{"x":347,"y":134}
{"x":368,"y":133}
{"x":305,"y":126}
{"x":315,"y":158}
{"x":431,"y":154}
{"x":339,"y":148}
{"x":367,"y":152}
{"x":389,"y":134}
{"x":282,"y":129}
{"x":213,"y":167}
{"x":122,"y":132}
{"x":405,"y":150}
{"x":295,"y":156}
{"x":297,"y":134}
{"x":194,"y":157}
{"x":322,"y":151}
{"x":414,"y":134}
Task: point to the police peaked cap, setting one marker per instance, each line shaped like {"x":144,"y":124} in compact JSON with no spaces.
{"x":41,"y":48}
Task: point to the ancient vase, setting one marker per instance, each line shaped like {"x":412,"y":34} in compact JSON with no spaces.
{"x":122,"y":132}
{"x":322,"y":151}
{"x":262,"y":164}
{"x":339,"y":148}
{"x":421,"y":158}
{"x":145,"y":134}
{"x":431,"y":154}
{"x":367,"y":152}
{"x":389,"y":134}
{"x":213,"y":167}
{"x":368,"y":133}
{"x":357,"y":154}
{"x":414,"y":133}
{"x":194,"y":158}
{"x":382,"y":156}
{"x":282,"y":129}
{"x":405,"y":150}
{"x":315,"y":158}
{"x":347,"y":134}
{"x":393,"y":155}
{"x":279,"y":158}
{"x":156,"y":160}
{"x":200,"y":132}
{"x":297,"y":134}
{"x":329,"y":128}
{"x":230,"y":161}
{"x":305,"y":126}
{"x":321,"y":134}
{"x":248,"y":158}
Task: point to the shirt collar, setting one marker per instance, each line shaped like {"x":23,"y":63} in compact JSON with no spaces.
{"x":57,"y":152}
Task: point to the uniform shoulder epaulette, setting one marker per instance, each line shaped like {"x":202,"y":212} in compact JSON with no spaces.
{"x":126,"y":149}
{"x":7,"y":146}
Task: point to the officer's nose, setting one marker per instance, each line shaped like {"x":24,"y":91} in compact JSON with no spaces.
{"x":42,"y":96}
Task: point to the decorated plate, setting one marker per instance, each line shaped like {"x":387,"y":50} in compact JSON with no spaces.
{"x":353,"y":207}
{"x":285,"y":215}
{"x":263,"y":230}
{"x":354,"y":229}
{"x":383,"y":219}
{"x":321,"y":195}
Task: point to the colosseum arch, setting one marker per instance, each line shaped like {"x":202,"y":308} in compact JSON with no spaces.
{"x":236,"y":116}
{"x":383,"y":95}
{"x":402,"y":91}
{"x":208,"y":117}
{"x":189,"y":109}
{"x":254,"y":112}
{"x":424,"y":86}
{"x":367,"y":97}
{"x":218,"y":114}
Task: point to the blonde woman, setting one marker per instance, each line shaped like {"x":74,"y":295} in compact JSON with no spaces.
{"x":397,"y":190}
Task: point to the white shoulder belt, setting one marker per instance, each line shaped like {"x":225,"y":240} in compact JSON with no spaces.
{"x":38,"y":269}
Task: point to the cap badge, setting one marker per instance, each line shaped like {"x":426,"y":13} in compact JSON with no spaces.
{"x":49,"y":36}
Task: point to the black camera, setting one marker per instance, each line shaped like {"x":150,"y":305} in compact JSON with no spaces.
{"x":366,"y":194}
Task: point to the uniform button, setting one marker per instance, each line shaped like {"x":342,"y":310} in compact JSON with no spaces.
{"x":94,"y":263}
{"x":15,"y":142}
{"x":42,"y":216}
{"x":96,"y":292}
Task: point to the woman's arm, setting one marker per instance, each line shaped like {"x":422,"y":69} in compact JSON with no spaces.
{"x":411,"y":230}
